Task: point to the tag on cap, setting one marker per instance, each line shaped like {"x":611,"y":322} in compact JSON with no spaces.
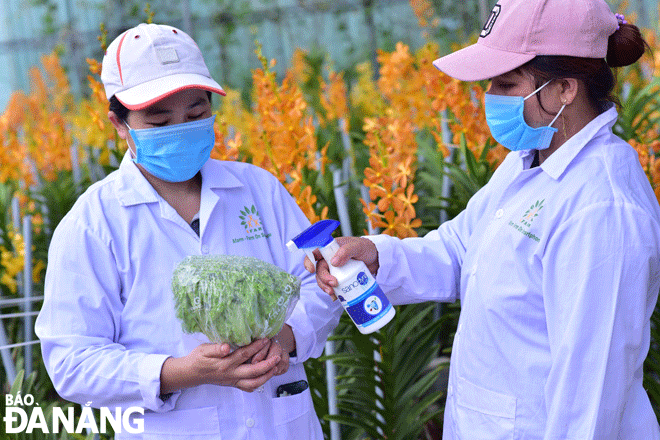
{"x":167,"y":55}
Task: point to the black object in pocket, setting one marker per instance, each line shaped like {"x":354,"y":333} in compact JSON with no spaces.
{"x":289,"y":389}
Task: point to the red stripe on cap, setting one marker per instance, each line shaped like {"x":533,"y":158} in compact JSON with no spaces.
{"x":121,"y":78}
{"x":146,"y":104}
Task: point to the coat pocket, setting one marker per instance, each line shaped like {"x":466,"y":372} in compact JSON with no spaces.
{"x":483,"y":414}
{"x":197,"y":423}
{"x":295,"y":417}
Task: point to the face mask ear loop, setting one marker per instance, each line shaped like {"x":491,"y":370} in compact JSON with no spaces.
{"x":559,"y":113}
{"x":133,"y":154}
{"x":536,"y":91}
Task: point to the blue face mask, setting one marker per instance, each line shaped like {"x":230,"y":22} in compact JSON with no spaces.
{"x":174,"y":153}
{"x":504,"y":115}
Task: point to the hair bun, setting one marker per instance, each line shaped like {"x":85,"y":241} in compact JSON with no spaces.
{"x":626,"y":46}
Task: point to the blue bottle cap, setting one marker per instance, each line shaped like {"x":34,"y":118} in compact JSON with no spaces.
{"x":317,"y":235}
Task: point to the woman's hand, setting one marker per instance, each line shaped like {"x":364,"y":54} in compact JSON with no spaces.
{"x":216,"y":364}
{"x":357,"y":248}
{"x":282,"y":344}
{"x":275,"y":348}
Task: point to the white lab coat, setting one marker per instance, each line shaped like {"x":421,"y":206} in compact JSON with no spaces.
{"x":108,"y":320}
{"x":558,"y":270}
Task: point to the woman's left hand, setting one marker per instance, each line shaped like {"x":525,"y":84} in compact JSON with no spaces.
{"x":280,"y":345}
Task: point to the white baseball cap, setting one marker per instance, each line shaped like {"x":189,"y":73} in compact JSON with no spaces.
{"x":153,"y":61}
{"x":519,"y":30}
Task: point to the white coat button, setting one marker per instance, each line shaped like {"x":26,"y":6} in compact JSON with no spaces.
{"x":499,"y":213}
{"x":205,"y":249}
{"x":260,"y":389}
{"x":249,"y":422}
{"x":474,"y":269}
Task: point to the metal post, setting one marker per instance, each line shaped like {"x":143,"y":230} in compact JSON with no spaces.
{"x":446,"y":180}
{"x":13,"y":68}
{"x":446,"y":190}
{"x":379,"y":390}
{"x":75,"y":163}
{"x":16,"y":222}
{"x":16,"y":214}
{"x":642,"y":13}
{"x":330,"y":378}
{"x":7,"y":360}
{"x":73,"y":59}
{"x":364,"y":192}
{"x":185,"y":13}
{"x":347,"y":166}
{"x":340,"y":199}
{"x":483,"y":11}
{"x":368,"y":7}
{"x":342,"y":211}
{"x":27,"y":291}
{"x":330,"y":370}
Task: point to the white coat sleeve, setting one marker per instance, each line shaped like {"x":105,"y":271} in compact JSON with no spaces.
{"x":315,"y":314}
{"x":600,"y":285}
{"x":80,"y":321}
{"x":413,"y":270}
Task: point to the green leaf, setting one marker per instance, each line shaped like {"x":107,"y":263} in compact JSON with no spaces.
{"x":410,"y":324}
{"x":484,"y":152}
{"x":29,"y":383}
{"x":18,"y":383}
{"x":350,"y":421}
{"x":470,"y":160}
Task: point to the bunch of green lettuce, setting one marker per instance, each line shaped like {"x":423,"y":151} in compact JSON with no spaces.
{"x":233,"y":299}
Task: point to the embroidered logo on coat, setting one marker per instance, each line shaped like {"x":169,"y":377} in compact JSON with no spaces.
{"x":250,"y":219}
{"x":528,"y":217}
{"x":532,"y":213}
{"x":252,"y":223}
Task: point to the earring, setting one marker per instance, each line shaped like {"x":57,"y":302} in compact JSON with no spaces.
{"x":563,"y":119}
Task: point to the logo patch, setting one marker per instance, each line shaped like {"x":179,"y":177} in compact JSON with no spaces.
{"x":167,"y":55}
{"x":488,"y":27}
{"x":532,"y":213}
{"x":523,"y":226}
{"x":250,"y":220}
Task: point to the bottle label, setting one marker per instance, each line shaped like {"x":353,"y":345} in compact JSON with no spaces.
{"x":368,"y":307}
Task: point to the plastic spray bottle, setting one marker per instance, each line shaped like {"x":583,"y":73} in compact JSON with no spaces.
{"x":361,"y":296}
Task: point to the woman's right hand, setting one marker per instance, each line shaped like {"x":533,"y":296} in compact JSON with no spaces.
{"x":356,"y":248}
{"x":216,"y":364}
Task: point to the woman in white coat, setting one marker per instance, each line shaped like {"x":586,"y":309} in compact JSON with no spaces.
{"x":108,"y":327}
{"x":556,"y":261}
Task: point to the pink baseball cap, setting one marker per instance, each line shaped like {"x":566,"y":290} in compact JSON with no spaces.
{"x":152,"y":61}
{"x":519,"y":30}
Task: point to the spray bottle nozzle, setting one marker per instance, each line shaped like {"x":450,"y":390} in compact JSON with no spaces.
{"x":316,"y":236}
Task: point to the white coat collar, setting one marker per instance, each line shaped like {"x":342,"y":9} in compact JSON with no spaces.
{"x":134,"y":189}
{"x":559,"y":161}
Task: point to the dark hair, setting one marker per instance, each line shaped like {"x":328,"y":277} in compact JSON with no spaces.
{"x":121,"y":111}
{"x":118,"y":108}
{"x":625,"y":47}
